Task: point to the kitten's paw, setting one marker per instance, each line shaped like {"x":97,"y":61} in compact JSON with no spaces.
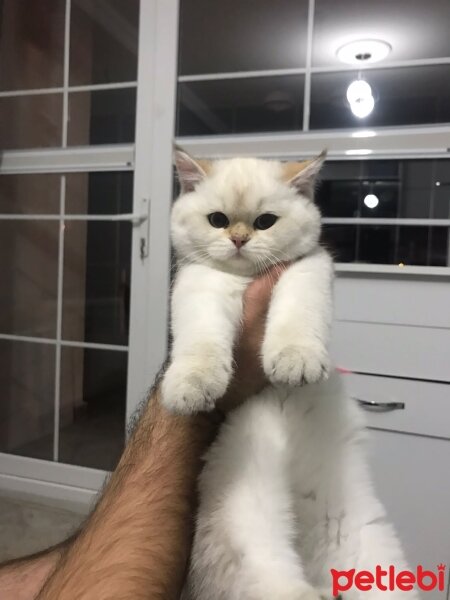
{"x":193,"y":384}
{"x":297,"y":364}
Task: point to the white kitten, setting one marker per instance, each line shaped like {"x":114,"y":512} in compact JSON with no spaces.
{"x":234,"y":219}
{"x":285,"y":494}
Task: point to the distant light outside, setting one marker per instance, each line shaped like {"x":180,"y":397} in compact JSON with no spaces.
{"x":371,"y":201}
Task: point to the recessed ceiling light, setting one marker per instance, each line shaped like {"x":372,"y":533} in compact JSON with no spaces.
{"x":365,"y":133}
{"x":358,"y":152}
{"x":363,"y":52}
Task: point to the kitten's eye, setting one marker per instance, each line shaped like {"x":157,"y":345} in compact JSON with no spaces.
{"x":218,"y":220}
{"x":265,"y":221}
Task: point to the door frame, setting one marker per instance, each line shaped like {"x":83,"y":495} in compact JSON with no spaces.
{"x":151,"y":159}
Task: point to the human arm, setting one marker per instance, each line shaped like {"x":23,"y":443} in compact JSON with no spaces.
{"x":136,"y":543}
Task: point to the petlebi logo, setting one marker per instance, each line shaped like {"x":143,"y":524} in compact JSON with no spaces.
{"x":389,"y":579}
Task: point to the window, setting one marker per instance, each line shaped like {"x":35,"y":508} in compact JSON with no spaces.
{"x":252,"y":76}
{"x":99,"y":86}
{"x":408,"y":202}
{"x":66,"y":80}
{"x":65,"y":289}
{"x":270,"y":83}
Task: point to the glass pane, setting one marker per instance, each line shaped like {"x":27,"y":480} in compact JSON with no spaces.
{"x":102,"y":117}
{"x":92,"y":413}
{"x":99,"y":193}
{"x":338,"y":198}
{"x":440,"y":186}
{"x":399,"y":100}
{"x":426,"y":189}
{"x":30,"y":121}
{"x":413,"y":28}
{"x":340,"y":241}
{"x":376,"y":244}
{"x":412,"y":245}
{"x":31,"y":44}
{"x":241,"y":36}
{"x":28,"y":275}
{"x":27,"y":375}
{"x":379,"y":199}
{"x":35,"y":194}
{"x":389,"y":245}
{"x":103,"y":41}
{"x":439,"y":247}
{"x":96,"y":281}
{"x":240,"y":105}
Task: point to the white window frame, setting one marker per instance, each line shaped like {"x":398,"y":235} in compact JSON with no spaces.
{"x":150,"y":159}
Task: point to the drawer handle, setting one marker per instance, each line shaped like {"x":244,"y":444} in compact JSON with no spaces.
{"x":380,"y":406}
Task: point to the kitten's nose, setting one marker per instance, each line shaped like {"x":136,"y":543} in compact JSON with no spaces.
{"x":238,"y":241}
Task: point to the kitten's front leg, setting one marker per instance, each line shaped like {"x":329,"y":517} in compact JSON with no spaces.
{"x":206,"y":311}
{"x":295,"y":345}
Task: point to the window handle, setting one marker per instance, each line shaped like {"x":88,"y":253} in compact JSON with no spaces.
{"x":374,"y":406}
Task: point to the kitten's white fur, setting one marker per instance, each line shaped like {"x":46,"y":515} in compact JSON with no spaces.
{"x":285,"y":494}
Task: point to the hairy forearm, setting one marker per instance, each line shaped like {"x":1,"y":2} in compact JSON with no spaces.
{"x":137,"y":541}
{"x":22,"y":579}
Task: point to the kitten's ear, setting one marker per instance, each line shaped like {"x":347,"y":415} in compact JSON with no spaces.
{"x":190,"y":171}
{"x":302,"y":175}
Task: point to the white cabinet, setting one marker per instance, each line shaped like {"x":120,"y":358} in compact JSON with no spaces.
{"x":409,"y":451}
{"x":412,"y":478}
{"x":395,"y":336}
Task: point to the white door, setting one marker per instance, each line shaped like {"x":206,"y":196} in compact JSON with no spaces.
{"x":87,"y":109}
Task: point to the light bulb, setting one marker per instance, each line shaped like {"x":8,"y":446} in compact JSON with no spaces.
{"x":357,"y":90}
{"x":371,"y":201}
{"x":362,"y":107}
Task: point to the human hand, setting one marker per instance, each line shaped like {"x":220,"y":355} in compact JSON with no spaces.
{"x":249,"y":376}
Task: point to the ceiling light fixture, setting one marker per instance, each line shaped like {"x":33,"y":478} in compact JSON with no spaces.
{"x":364,"y":133}
{"x":358,"y":152}
{"x":371,"y":201}
{"x":361,"y":52}
{"x":360,"y":98}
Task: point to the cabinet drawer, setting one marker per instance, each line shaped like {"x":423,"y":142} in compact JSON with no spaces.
{"x":403,"y":351}
{"x":426,"y":405}
{"x":394,"y":301}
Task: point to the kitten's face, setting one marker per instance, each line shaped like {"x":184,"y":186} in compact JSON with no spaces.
{"x":243,"y":215}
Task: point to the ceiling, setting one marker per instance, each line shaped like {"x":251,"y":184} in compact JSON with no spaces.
{"x":217,"y":36}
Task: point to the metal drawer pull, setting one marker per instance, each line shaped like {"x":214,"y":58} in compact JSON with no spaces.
{"x":380,"y":406}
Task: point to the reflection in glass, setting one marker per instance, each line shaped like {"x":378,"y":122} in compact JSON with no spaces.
{"x":99,"y":193}
{"x":32,"y":194}
{"x":439,"y":247}
{"x":102,"y":117}
{"x":385,"y":192}
{"x":242,"y":36}
{"x":340,"y":240}
{"x":103,"y":41}
{"x":27,"y":375}
{"x":388,"y":244}
{"x":338,"y":198}
{"x":414,"y":29}
{"x":417,"y":189}
{"x":240,"y":105}
{"x":376,"y":244}
{"x":92,"y":407}
{"x":398,"y":98}
{"x":32,"y":121}
{"x":31,"y":44}
{"x":28,"y":275}
{"x":96,"y":293}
